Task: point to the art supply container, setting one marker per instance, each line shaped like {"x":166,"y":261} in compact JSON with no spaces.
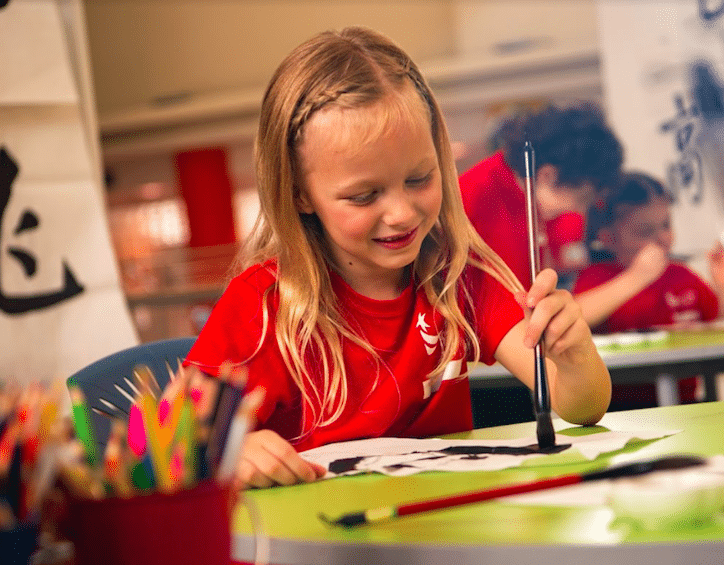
{"x":187,"y":527}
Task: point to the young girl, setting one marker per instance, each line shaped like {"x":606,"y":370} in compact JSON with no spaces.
{"x":367,"y":290}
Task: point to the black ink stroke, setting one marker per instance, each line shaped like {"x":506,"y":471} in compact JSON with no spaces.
{"x":684,"y":176}
{"x":462,"y":452}
{"x":14,"y":305}
{"x":709,"y":15}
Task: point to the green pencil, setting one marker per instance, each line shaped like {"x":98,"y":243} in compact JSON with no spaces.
{"x":82,"y":424}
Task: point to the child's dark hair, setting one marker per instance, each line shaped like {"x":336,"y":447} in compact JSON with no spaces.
{"x":576,"y":140}
{"x":633,"y":190}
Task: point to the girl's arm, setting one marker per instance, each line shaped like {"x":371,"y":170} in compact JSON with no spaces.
{"x":598,"y":303}
{"x":579,"y":381}
{"x":268,"y":460}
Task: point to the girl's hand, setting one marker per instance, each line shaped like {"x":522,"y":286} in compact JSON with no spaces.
{"x":553,"y":314}
{"x":268,"y":460}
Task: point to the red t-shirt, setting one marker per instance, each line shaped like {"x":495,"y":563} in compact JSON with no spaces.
{"x":495,"y":205}
{"x":679,"y":295}
{"x":388,"y":395}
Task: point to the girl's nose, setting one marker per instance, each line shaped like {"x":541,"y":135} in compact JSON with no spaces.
{"x":400,"y":211}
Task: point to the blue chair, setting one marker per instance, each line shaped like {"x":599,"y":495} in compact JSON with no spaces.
{"x":99,"y":380}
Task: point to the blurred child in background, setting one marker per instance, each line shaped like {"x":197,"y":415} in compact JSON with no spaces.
{"x":577,"y":156}
{"x":642,"y":287}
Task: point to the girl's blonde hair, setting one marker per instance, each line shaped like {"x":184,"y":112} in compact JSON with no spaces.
{"x":353,"y":68}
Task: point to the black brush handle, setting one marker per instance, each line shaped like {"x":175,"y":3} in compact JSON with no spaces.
{"x":541,"y":395}
{"x":665,"y":463}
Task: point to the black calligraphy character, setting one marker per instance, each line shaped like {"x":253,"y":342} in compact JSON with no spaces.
{"x":710,"y":14}
{"x":707,"y":91}
{"x":4,"y":3}
{"x":29,"y":220}
{"x":685,"y":175}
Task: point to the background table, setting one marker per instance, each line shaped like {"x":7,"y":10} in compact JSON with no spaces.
{"x":496,"y":532}
{"x":684,"y":353}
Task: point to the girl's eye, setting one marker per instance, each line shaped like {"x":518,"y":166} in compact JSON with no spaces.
{"x":362,"y":198}
{"x":419,"y":181}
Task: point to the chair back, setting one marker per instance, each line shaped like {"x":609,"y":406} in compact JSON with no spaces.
{"x":101,"y":380}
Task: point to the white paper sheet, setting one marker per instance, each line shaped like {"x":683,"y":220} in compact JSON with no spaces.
{"x":403,"y":456}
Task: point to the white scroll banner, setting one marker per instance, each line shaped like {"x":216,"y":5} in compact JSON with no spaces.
{"x":663,"y":70}
{"x":61,"y":305}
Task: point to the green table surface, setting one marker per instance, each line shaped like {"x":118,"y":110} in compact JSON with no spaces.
{"x":707,"y":338}
{"x":289,"y":515}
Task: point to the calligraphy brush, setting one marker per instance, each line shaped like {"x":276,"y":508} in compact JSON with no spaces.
{"x":541,"y":395}
{"x":626,"y":470}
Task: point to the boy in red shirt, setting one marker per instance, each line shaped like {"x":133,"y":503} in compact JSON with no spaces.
{"x":577,"y":156}
{"x":642,"y":287}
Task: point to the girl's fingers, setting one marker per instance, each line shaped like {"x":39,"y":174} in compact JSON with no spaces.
{"x":552,"y":317}
{"x":249,"y":476}
{"x":544,"y":284}
{"x":568,"y":339}
{"x":269,"y":460}
{"x":319,"y":470}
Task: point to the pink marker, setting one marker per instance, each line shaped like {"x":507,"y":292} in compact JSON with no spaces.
{"x":136,"y":432}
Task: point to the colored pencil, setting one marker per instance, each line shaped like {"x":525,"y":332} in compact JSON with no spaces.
{"x":235,"y":439}
{"x":82,"y":423}
{"x":156,"y":448}
{"x":230,"y":397}
{"x":626,"y":470}
{"x":541,"y":396}
{"x":185,"y":442}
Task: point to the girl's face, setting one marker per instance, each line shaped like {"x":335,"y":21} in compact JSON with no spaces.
{"x":642,"y":225}
{"x":375,"y":184}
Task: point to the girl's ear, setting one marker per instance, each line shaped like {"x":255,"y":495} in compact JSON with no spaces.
{"x":302,"y":202}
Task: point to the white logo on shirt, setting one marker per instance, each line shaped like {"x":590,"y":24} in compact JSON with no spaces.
{"x":452,"y":372}
{"x":430,"y":340}
{"x":683,"y":300}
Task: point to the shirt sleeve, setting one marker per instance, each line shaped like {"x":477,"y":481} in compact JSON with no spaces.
{"x":233,"y":332}
{"x":495,"y":311}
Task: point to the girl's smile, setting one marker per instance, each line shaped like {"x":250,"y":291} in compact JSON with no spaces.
{"x":397,"y":241}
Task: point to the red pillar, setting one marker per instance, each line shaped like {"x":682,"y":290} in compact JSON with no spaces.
{"x":206,"y":188}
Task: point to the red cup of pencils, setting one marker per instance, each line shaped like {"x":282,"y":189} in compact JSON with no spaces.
{"x":159,"y":493}
{"x":187,"y":527}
